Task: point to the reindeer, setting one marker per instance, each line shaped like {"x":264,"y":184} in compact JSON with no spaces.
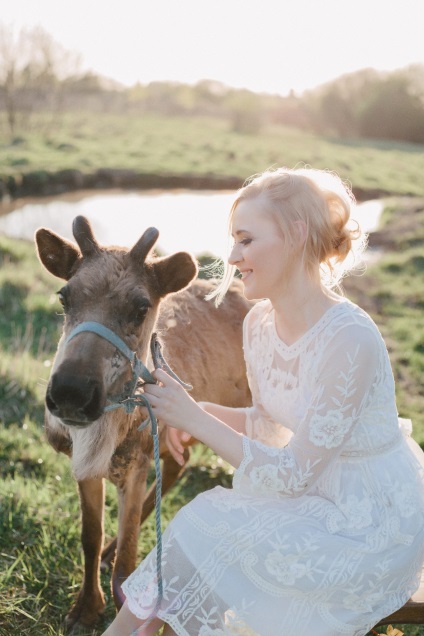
{"x":131,"y":292}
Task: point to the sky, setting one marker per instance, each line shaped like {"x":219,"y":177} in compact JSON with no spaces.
{"x":271,"y":46}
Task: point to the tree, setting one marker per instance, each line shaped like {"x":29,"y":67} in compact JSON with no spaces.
{"x":32,"y":68}
{"x":394,"y":110}
{"x":245,"y":109}
{"x":336,"y":104}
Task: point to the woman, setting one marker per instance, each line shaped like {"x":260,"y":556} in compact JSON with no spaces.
{"x":323,"y":530}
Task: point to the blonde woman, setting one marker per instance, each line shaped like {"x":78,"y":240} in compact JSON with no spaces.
{"x":323,"y":529}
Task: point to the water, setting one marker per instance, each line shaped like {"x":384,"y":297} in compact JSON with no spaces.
{"x":189,"y":221}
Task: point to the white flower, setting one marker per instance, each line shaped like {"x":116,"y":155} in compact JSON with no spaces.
{"x":405,"y":499}
{"x":285,"y":568}
{"x":286,"y":459}
{"x":366,"y":603}
{"x":358,"y":511}
{"x":265,"y":478}
{"x":236,"y":625}
{"x":282,"y":379}
{"x":145,"y":586}
{"x":354,"y":514}
{"x":225,"y":500}
{"x":353,"y":602}
{"x":328,"y":430}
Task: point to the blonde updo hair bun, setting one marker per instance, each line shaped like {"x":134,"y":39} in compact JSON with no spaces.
{"x":343,"y":230}
{"x":323,"y":203}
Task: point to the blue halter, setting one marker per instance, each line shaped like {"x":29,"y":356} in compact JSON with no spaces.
{"x":129,"y":401}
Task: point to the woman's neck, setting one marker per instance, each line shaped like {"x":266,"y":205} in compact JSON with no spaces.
{"x":300,"y":307}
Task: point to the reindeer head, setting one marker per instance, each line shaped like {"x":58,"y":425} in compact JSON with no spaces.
{"x":119,"y":288}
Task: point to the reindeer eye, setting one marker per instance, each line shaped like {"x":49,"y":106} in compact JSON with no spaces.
{"x":61,"y":294}
{"x":142,"y":310}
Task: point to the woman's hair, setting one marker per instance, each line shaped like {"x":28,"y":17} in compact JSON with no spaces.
{"x":322,"y":203}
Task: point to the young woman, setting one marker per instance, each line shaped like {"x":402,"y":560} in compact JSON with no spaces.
{"x":323,"y":530}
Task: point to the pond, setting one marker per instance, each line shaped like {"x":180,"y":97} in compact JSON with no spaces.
{"x":186,"y":220}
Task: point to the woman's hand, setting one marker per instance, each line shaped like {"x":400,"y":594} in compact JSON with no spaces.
{"x":171,"y":403}
{"x":174,"y":406}
{"x":176,"y":441}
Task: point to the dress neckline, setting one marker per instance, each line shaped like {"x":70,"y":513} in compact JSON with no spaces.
{"x":297,"y":345}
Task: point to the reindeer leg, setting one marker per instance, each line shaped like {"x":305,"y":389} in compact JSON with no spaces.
{"x":171,"y":471}
{"x":131,"y":495}
{"x":90,"y":603}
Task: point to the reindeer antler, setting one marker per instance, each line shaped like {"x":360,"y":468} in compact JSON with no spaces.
{"x":144,"y":245}
{"x":84,"y":236}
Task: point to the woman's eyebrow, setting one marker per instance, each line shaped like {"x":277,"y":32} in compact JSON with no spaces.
{"x":238,"y":232}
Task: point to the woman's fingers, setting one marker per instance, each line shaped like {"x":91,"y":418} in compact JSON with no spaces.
{"x":152,"y":389}
{"x":163,"y":377}
{"x":171,"y":402}
{"x":176,"y":449}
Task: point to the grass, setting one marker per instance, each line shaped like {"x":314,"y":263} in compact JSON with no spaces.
{"x":205,"y":146}
{"x":40,"y":551}
{"x":392,"y":291}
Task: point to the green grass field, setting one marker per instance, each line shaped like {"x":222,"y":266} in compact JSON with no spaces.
{"x":201,"y":146}
{"x":40,"y":552}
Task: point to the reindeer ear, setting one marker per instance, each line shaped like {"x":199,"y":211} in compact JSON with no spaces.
{"x":56,"y":253}
{"x":84,"y":236}
{"x":139,"y":252}
{"x":175,"y":272}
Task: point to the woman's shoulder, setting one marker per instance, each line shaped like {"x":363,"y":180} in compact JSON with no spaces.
{"x":355,"y":324}
{"x":260,"y":310}
{"x":256,"y":320}
{"x":351,"y":312}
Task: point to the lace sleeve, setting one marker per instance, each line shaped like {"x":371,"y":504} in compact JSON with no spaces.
{"x":347,"y":373}
{"x":258,"y":425}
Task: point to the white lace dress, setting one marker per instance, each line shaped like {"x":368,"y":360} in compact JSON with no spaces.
{"x":323,"y":530}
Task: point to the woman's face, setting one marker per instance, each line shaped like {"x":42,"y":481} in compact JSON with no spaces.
{"x":260,"y":253}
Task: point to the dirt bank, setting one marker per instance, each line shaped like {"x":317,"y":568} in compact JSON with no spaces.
{"x":44,"y":183}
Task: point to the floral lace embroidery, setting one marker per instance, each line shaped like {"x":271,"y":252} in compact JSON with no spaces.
{"x":355,"y":514}
{"x":234,"y":622}
{"x":329,"y":430}
{"x":266,"y":479}
{"x":406,"y":500}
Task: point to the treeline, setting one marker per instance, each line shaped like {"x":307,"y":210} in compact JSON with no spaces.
{"x":38,"y":75}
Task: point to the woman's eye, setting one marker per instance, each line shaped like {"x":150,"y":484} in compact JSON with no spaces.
{"x":246,"y":241}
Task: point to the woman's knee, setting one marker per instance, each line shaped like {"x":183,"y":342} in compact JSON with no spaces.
{"x":126,"y":624}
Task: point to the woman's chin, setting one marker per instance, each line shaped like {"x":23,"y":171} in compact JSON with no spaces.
{"x":249,"y":294}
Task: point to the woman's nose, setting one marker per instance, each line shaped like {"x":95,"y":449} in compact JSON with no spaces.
{"x":234,"y":256}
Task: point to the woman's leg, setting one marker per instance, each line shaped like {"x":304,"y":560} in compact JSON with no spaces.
{"x":126,"y":623}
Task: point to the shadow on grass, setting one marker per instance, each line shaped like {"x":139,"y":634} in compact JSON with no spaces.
{"x":18,"y":401}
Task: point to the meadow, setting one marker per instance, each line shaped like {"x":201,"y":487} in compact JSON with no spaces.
{"x":40,"y":554}
{"x":202,"y":146}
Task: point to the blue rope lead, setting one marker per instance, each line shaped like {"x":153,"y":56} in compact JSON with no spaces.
{"x":155,"y":434}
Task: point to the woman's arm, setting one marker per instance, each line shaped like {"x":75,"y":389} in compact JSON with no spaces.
{"x":235,"y":418}
{"x":177,"y":439}
{"x":176,"y":408}
{"x":341,"y":390}
{"x":342,"y":387}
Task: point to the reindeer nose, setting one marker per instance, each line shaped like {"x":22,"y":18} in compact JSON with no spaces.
{"x":77,"y":400}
